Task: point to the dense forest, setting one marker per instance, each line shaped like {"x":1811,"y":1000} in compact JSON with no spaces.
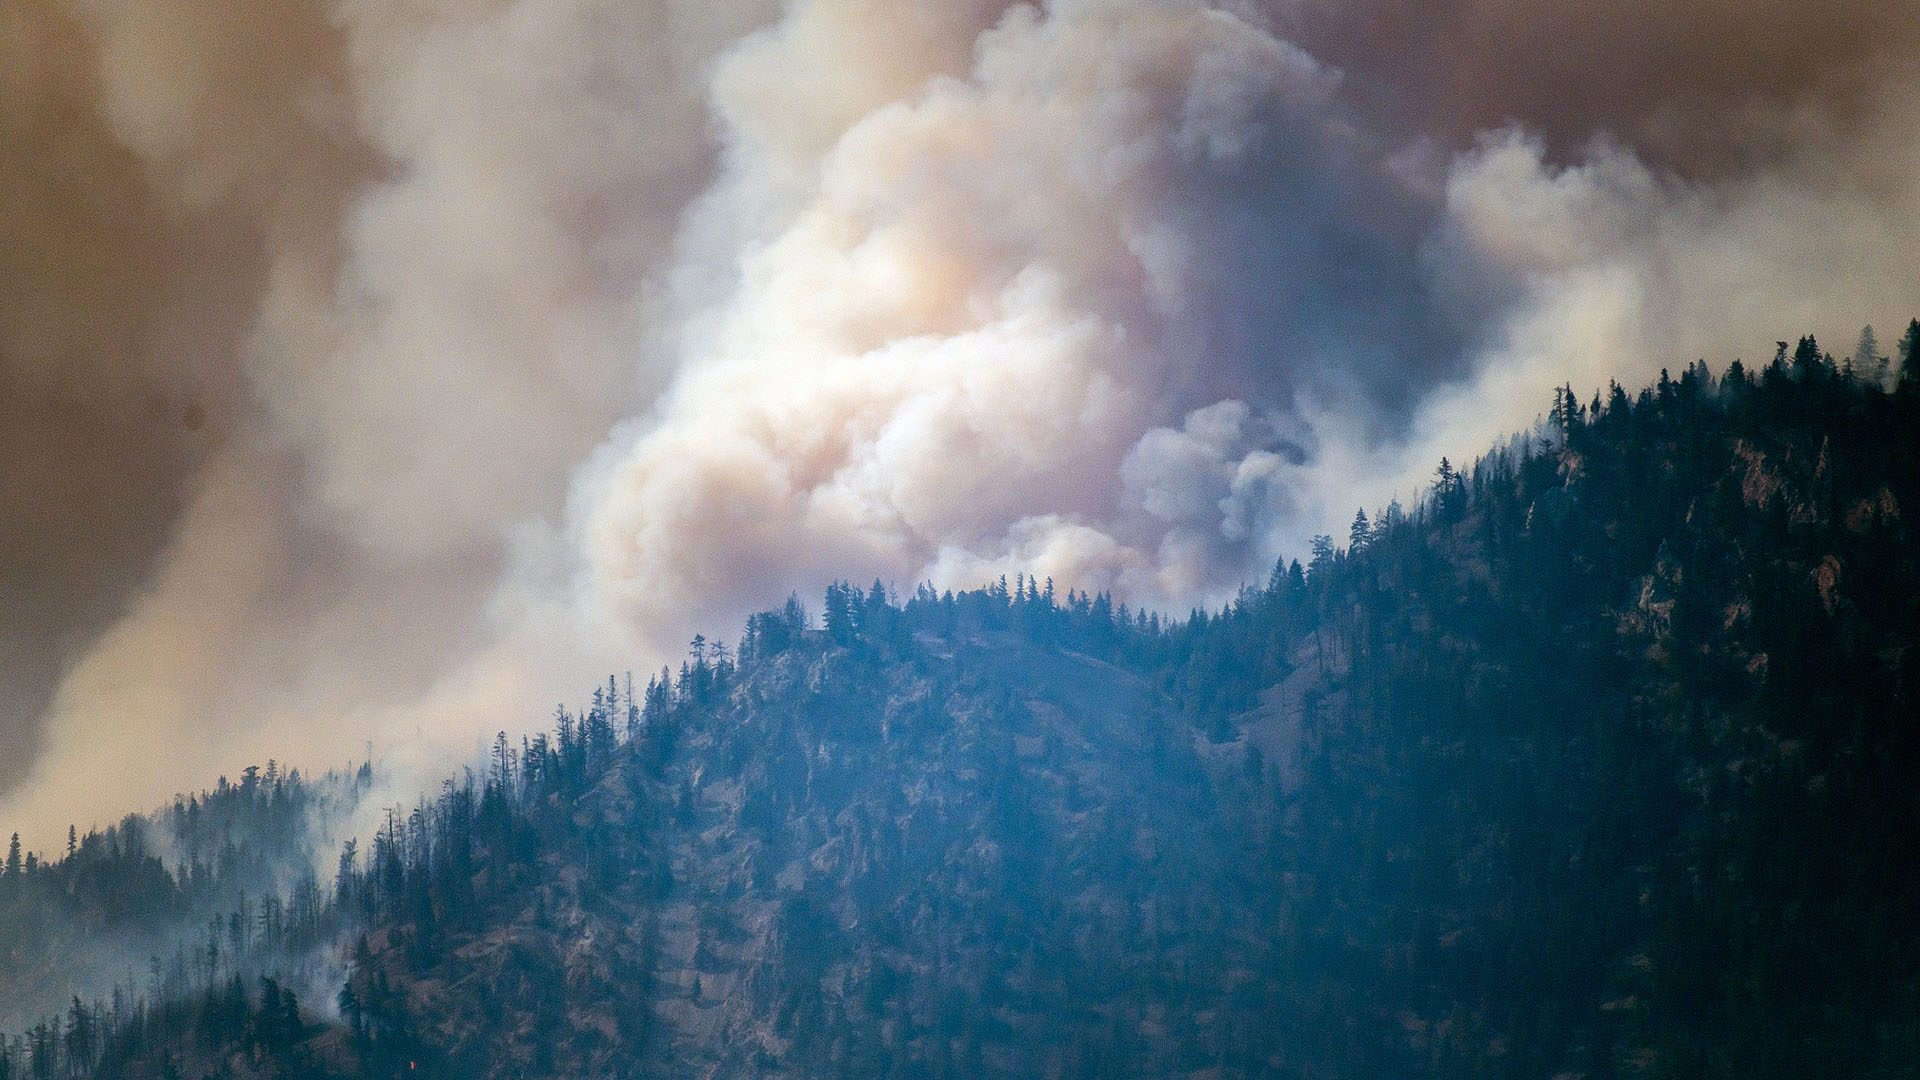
{"x":138,"y":919}
{"x":1596,"y":761}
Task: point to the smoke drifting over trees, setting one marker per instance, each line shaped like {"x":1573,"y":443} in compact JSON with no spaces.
{"x":1594,"y":760}
{"x":388,"y":371}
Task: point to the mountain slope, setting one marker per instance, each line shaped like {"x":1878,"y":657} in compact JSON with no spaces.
{"x":1598,"y":762}
{"x":977,"y":860}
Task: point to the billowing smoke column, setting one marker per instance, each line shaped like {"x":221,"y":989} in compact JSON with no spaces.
{"x":1007,"y":320}
{"x":381,"y":372}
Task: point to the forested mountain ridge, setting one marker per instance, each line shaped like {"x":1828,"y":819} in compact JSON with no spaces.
{"x":1598,"y":761}
{"x":219,"y":884}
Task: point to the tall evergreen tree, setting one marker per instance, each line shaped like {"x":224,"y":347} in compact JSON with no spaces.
{"x":1909,"y":378}
{"x":1867,"y":359}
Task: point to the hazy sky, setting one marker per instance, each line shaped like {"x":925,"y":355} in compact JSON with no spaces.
{"x":378,"y":371}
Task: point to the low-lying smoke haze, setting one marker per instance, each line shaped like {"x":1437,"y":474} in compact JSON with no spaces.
{"x":376,"y":372}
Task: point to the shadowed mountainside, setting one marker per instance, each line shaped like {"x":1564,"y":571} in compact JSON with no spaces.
{"x":1597,"y":762}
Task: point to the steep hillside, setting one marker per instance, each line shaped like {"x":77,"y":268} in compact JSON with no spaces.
{"x":1597,"y":762}
{"x":221,"y":881}
{"x":982,"y":858}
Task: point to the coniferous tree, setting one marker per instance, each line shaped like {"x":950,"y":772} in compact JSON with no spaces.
{"x":1909,"y":378}
{"x":1867,"y":359}
{"x":1448,"y":491}
{"x":839,"y":614}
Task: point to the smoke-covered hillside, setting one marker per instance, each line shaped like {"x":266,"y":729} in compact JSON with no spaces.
{"x":221,"y":883}
{"x":1595,"y":762}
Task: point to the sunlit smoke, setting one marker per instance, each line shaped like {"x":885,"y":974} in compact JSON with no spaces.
{"x":385,"y":373}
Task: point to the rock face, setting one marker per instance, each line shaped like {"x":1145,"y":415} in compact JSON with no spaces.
{"x":993,"y":860}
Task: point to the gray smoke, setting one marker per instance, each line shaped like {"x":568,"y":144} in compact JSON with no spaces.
{"x":385,"y":373}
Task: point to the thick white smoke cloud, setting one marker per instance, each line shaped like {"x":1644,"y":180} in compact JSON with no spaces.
{"x":576,"y":327}
{"x":955,"y":343}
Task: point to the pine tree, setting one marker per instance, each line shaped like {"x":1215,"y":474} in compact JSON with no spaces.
{"x":1866,"y":357}
{"x":839,"y":614}
{"x":1449,"y":491}
{"x":79,"y":1038}
{"x":601,"y":739}
{"x":658,"y":699}
{"x":1322,"y":563}
{"x":501,"y":777}
{"x":1910,"y":357}
{"x":1808,"y":361}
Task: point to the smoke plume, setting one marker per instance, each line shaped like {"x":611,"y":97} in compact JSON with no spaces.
{"x":383,"y":373}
